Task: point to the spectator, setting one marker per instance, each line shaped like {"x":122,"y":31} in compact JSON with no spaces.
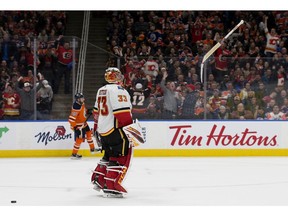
{"x":270,"y":102}
{"x":4,"y":67}
{"x":141,"y":25}
{"x":209,"y":112}
{"x":252,"y":104}
{"x":139,"y":93}
{"x":64,"y":65}
{"x":222,"y":55}
{"x":116,"y":49}
{"x":190,"y":98}
{"x":60,"y":28}
{"x":276,"y":114}
{"x":269,"y":79}
{"x":233,"y":104}
{"x":244,"y":93}
{"x":223,"y":113}
{"x":215,"y":99}
{"x":153,"y":109}
{"x":196,"y":30}
{"x":171,"y":98}
{"x":241,"y":113}
{"x":48,"y":66}
{"x":27,"y":96}
{"x":151,"y":68}
{"x":28,"y":78}
{"x":259,"y":114}
{"x":260,"y":93}
{"x":44,"y":99}
{"x":272,"y":40}
{"x":284,"y":107}
{"x":224,"y":83}
{"x":8,"y":49}
{"x":11,"y":103}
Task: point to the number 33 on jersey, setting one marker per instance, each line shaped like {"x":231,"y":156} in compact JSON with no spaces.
{"x":114,"y":107}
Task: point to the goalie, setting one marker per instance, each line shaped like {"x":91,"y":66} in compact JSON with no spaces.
{"x":112,"y":112}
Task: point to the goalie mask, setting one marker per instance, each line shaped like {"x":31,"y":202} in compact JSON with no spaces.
{"x":113,"y":75}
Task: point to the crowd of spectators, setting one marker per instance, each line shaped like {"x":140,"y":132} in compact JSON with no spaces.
{"x":18,"y":29}
{"x":161,"y":52}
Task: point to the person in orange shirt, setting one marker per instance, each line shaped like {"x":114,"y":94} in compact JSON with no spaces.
{"x":78,"y":123}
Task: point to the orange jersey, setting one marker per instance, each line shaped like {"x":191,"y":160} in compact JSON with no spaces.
{"x":77,"y":117}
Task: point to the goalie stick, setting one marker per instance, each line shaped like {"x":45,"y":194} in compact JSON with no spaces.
{"x":215,"y":47}
{"x":97,"y":140}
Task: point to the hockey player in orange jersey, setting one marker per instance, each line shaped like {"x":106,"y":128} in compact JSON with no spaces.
{"x":78,"y":123}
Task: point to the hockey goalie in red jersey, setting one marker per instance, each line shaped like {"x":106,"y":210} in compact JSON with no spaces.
{"x":112,"y":112}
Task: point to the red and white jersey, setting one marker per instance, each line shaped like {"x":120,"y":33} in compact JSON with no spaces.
{"x":65,"y":56}
{"x":151,"y":68}
{"x":112,"y":101}
{"x":11,"y":104}
{"x":271,"y":44}
{"x":221,"y":63}
{"x":276,"y":116}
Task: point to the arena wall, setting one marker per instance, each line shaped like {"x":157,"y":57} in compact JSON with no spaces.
{"x":163,"y":138}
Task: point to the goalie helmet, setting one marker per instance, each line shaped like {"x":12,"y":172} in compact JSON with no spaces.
{"x":113,"y":75}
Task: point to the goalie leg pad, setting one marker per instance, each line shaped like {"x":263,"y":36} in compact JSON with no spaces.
{"x":116,"y":172}
{"x":99,"y":173}
{"x":113,"y":173}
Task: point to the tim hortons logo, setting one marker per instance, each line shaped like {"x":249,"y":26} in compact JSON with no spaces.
{"x":218,"y":137}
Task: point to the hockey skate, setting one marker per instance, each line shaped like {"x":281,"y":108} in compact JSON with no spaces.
{"x":76,"y":156}
{"x":112,"y":194}
{"x":96,"y":187}
{"x":92,"y":151}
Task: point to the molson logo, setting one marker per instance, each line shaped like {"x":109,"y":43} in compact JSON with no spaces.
{"x":218,"y":137}
{"x":48,"y":136}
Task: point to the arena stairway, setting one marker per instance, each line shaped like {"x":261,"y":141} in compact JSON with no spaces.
{"x":96,"y":59}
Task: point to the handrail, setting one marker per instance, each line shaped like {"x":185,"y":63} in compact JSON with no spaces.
{"x":82,"y":55}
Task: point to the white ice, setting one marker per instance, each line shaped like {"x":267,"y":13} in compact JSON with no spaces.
{"x":151,"y":181}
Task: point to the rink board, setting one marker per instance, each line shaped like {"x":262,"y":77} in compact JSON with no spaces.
{"x":162,"y":138}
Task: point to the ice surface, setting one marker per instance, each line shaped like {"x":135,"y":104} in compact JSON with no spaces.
{"x":151,"y":182}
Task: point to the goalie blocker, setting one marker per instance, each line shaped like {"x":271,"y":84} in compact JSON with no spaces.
{"x":111,"y":172}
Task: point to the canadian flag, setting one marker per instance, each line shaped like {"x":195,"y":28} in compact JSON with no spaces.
{"x":280,"y":79}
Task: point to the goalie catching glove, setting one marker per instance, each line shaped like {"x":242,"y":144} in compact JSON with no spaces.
{"x":134,"y":133}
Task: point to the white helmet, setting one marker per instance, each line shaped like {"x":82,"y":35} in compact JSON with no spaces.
{"x":113,"y":75}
